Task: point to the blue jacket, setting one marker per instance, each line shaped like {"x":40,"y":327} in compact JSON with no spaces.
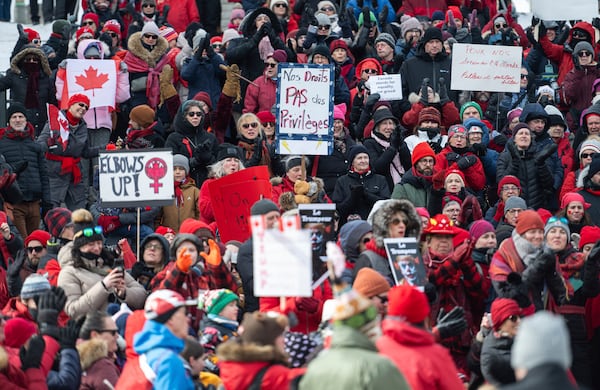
{"x":368,"y":3}
{"x":204,"y":76}
{"x":162,"y":350}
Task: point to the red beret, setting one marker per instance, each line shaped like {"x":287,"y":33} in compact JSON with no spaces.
{"x":502,"y":308}
{"x":265,"y":116}
{"x":78,"y":98}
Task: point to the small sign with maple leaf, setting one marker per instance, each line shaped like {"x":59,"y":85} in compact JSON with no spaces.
{"x":91,"y":79}
{"x":97,"y":79}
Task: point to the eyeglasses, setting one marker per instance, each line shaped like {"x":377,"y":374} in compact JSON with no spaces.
{"x":325,"y":28}
{"x":510,"y":188}
{"x":270,"y":64}
{"x":587,"y":155}
{"x":514,"y":211}
{"x":216,"y":45}
{"x":280,"y":5}
{"x":36,"y":41}
{"x":562,"y":220}
{"x":459,"y":136}
{"x":88,"y":232}
{"x":88,"y":23}
{"x":584,"y":53}
{"x":524,"y":76}
{"x":269,"y":124}
{"x":254,"y":125}
{"x":83,"y":105}
{"x":113,"y":332}
{"x":396,"y":221}
{"x":427,"y":161}
{"x":148,"y":6}
{"x":192,"y":114}
{"x":112,"y":34}
{"x":150,"y":36}
{"x":327,"y":9}
{"x":37,"y":249}
{"x":370,"y":71}
{"x":501,"y":25}
{"x":382,"y":298}
{"x":152,"y":247}
{"x":579,"y":34}
{"x":514,"y":318}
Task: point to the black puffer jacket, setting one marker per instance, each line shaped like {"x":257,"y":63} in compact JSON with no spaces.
{"x":198,"y":145}
{"x":33,"y":180}
{"x":495,"y":360}
{"x":536,"y":181}
{"x":16,"y":80}
{"x":382,"y":158}
{"x":374,"y":188}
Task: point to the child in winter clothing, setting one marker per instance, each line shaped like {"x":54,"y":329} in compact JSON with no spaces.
{"x":186,"y":196}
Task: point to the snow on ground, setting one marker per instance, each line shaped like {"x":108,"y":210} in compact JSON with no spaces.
{"x":9,"y":36}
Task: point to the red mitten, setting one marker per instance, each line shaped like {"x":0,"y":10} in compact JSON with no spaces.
{"x":438,"y":180}
{"x":109,"y":223}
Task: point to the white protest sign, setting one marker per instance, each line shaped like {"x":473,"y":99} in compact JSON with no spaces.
{"x":388,"y":86}
{"x":282,"y":259}
{"x":489,"y":68}
{"x":304,"y":118}
{"x":97,"y":79}
{"x":565,"y":10}
{"x":136,"y":178}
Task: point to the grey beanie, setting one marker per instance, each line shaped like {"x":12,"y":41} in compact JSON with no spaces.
{"x":514,"y":202}
{"x":322,"y":19}
{"x":183,"y":237}
{"x":179,"y":160}
{"x":557,"y":222}
{"x":150,"y":28}
{"x":584,"y":45}
{"x":350,"y":234}
{"x":410,"y":24}
{"x":34,"y":285}
{"x":386,"y":38}
{"x":542,"y":339}
{"x":263,"y":206}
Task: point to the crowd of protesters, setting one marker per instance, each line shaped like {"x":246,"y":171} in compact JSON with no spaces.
{"x":500,"y":190}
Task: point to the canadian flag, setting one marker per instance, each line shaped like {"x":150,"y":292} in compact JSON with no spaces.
{"x":97,"y":79}
{"x":58,"y":122}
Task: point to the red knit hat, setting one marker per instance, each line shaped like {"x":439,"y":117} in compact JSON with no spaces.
{"x":408,"y":302}
{"x":78,"y":98}
{"x":441,"y":224}
{"x":38,"y":235}
{"x":509,"y":179}
{"x":92,"y":16}
{"x":430,"y":114}
{"x":502,"y":309}
{"x":113,"y":26}
{"x":455,"y":172}
{"x":479,"y":228}
{"x":589,"y":235}
{"x":338,"y":44}
{"x":84,"y":30}
{"x":31,"y":34}
{"x":162,"y":230}
{"x":216,"y":39}
{"x":203,"y":97}
{"x":265,"y":116}
{"x":422,"y":150}
{"x":573,"y":197}
{"x":17,"y":331}
{"x":198,"y":228}
{"x":449,"y":199}
{"x":528,"y":220}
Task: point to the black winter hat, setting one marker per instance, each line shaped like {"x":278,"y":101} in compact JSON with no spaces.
{"x":383,"y":114}
{"x":14,"y":108}
{"x":322,"y":50}
{"x":594,"y":166}
{"x":354,"y":151}
{"x":432,"y":33}
{"x":227,"y":150}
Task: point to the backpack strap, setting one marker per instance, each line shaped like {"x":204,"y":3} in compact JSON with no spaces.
{"x":258,"y":378}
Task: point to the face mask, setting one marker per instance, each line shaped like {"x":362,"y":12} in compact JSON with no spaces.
{"x":89,"y":256}
{"x":431,"y":132}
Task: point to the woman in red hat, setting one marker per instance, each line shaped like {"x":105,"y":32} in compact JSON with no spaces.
{"x":574,"y":208}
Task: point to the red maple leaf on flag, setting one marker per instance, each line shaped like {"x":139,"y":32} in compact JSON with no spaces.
{"x":91,"y":79}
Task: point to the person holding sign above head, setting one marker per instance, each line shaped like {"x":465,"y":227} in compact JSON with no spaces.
{"x":261,"y":94}
{"x":357,"y":191}
{"x":322,"y":56}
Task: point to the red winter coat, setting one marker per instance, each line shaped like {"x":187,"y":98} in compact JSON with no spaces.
{"x":181,"y":14}
{"x":566,"y":155}
{"x":577,"y":87}
{"x":425,"y":364}
{"x":12,"y":378}
{"x":450,"y":115}
{"x":260,"y":97}
{"x":474,"y":175}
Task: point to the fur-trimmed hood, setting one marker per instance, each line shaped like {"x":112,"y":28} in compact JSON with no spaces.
{"x":90,"y":351}
{"x":248,"y":27}
{"x":237,"y":351}
{"x":16,"y":61}
{"x":581,"y":177}
{"x":135,"y":47}
{"x":383,"y":216}
{"x":85,"y":43}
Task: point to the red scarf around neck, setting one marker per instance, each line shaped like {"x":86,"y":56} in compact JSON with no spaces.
{"x":179,"y":192}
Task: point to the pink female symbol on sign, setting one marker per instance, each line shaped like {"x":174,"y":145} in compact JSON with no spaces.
{"x":156,"y":169}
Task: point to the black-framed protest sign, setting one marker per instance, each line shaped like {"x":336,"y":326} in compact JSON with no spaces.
{"x":405,"y":261}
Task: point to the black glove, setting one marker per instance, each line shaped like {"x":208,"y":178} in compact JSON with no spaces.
{"x":408,"y":45}
{"x":465,"y":162}
{"x":371,"y":100}
{"x":452,"y":157}
{"x":596,"y":22}
{"x":161,"y":20}
{"x":31,"y":357}
{"x":443,"y":91}
{"x":512,"y":149}
{"x":425,"y":92}
{"x":61,"y":297}
{"x":104,"y":37}
{"x":383,"y":15}
{"x":272,"y":34}
{"x":396,"y":139}
{"x":357,"y":191}
{"x":266,"y":29}
{"x":47,"y":316}
{"x":350,"y":15}
{"x":451,"y":324}
{"x":500,"y":140}
{"x":137,"y":270}
{"x":530,"y":36}
{"x":542,"y":30}
{"x":22,"y":35}
{"x":452,"y":27}
{"x":361,"y":86}
{"x":595,"y":253}
{"x":547,"y":260}
{"x":546,"y":153}
{"x":479,"y":149}
{"x":69,"y":334}
{"x":367,"y":23}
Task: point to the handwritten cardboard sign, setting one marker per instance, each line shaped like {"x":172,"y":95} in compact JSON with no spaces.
{"x":136,"y":178}
{"x":491,"y":68}
{"x":565,"y":10}
{"x":282,"y":259}
{"x":304,"y":119}
{"x":407,"y":266}
{"x":388,"y":86}
{"x":231,"y":198}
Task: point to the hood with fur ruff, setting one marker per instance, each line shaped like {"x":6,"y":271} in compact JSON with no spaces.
{"x":383,"y":216}
{"x":248,"y":28}
{"x":90,"y":351}
{"x":135,"y":47}
{"x":85,"y":43}
{"x":15,"y":62}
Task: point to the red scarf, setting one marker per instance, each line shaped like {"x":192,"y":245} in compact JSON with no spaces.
{"x":135,"y":134}
{"x":371,"y":245}
{"x":13,"y":134}
{"x":137,"y":65}
{"x":573,"y":264}
{"x":179,"y":192}
{"x":67,"y":165}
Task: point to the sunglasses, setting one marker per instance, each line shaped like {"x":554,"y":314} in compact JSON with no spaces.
{"x":150,"y":36}
{"x":396,"y":221}
{"x":83,"y":105}
{"x":269,"y":124}
{"x":254,"y":125}
{"x":148,"y":6}
{"x":280,"y":5}
{"x":327,"y":9}
{"x":88,"y":232}
{"x":325,"y":28}
{"x":88,"y":23}
{"x":514,"y":318}
{"x":152,"y":247}
{"x":562,"y":220}
{"x":579,"y":34}
{"x":216,"y":45}
{"x":524,"y":76}
{"x":37,"y":249}
{"x":112,"y":34}
{"x":587,"y":155}
{"x":501,"y":25}
{"x":113,"y":332}
{"x":370,"y":71}
{"x":584,"y":53}
{"x":192,"y":114}
{"x":270,"y":64}
{"x":36,"y":41}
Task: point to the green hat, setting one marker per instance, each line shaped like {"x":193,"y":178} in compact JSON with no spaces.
{"x":470,"y":104}
{"x":214,"y":301}
{"x":361,"y":18}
